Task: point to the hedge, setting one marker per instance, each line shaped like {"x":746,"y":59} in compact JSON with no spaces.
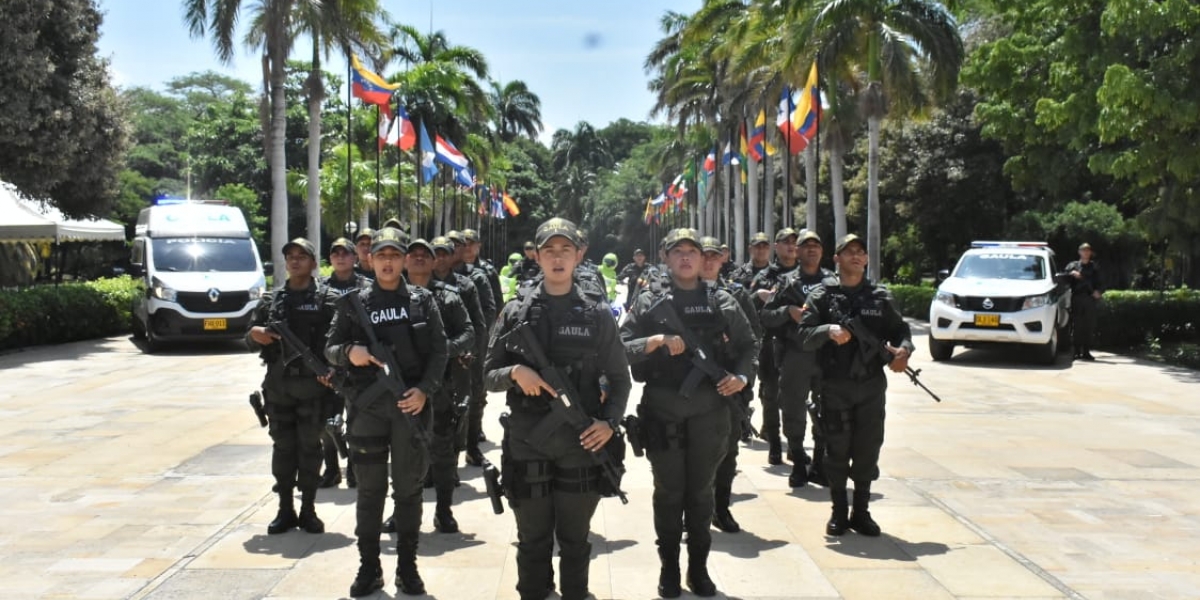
{"x":49,"y":314}
{"x":1125,"y":319}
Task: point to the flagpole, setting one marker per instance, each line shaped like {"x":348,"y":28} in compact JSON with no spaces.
{"x":378,"y":160}
{"x":787,"y":167}
{"x":419,"y":227}
{"x":349,"y":146}
{"x":817,"y":149}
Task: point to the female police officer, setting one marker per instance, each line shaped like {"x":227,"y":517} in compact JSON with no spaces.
{"x":552,"y":484}
{"x":686,"y":436}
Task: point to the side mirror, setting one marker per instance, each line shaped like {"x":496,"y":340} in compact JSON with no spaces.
{"x":1063,"y":278}
{"x":268,"y":267}
{"x":943,"y":275}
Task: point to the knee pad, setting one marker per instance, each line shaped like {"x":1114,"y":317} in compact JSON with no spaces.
{"x":368,"y":450}
{"x":527,"y":479}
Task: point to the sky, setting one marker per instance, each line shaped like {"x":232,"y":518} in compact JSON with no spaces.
{"x":583,"y":58}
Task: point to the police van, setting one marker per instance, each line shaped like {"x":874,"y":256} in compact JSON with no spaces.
{"x":201,"y":272}
{"x":1002,"y":292}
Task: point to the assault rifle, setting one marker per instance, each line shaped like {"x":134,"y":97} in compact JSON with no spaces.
{"x":564,"y":408}
{"x":869,"y":347}
{"x":388,"y":380}
{"x":703,"y":363}
{"x":302,"y":351}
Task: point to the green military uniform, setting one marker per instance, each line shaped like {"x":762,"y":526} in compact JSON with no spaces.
{"x":408,"y":322}
{"x":487,"y":302}
{"x":799,"y":373}
{"x":853,"y":388}
{"x":554,"y":487}
{"x":297,"y":404}
{"x":685,"y":438}
{"x":771,"y":278}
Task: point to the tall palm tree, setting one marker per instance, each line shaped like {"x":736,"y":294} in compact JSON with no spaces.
{"x":906,"y":48}
{"x":219,"y":19}
{"x":518,"y":111}
{"x":578,"y":156}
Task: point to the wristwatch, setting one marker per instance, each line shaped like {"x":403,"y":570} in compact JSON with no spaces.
{"x":745,"y":380}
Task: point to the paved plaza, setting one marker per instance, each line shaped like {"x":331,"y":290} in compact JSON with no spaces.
{"x":128,"y":475}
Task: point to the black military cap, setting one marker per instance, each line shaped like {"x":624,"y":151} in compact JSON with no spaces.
{"x":679,"y":236}
{"x":456,"y":236}
{"x":759,"y":238}
{"x":393,"y":222}
{"x":366,"y":232}
{"x":442,"y":242}
{"x":302,"y":244}
{"x":422,"y":243}
{"x":808,"y":234}
{"x":638,"y":251}
{"x":709,"y":243}
{"x":1085,"y":246}
{"x":846,"y":241}
{"x":470,"y":236}
{"x":530,"y":246}
{"x":785,"y":233}
{"x":556,"y":227}
{"x":389,"y":237}
{"x":341,"y":243}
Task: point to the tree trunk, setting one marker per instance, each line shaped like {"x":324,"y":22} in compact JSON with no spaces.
{"x":752,"y":205}
{"x":875,"y":268}
{"x":316,"y":96}
{"x":768,"y":216}
{"x":277,"y":158}
{"x":810,"y":182}
{"x":837,"y":194}
{"x":738,"y":239}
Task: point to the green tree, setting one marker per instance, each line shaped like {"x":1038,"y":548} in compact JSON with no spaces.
{"x":517,"y":110}
{"x":63,"y":130}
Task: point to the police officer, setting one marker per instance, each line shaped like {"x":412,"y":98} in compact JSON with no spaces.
{"x":723,"y":486}
{"x":587,"y":274}
{"x":760,"y":258}
{"x":487,"y":302}
{"x":341,"y":281}
{"x":449,"y":403}
{"x":471,"y":247}
{"x":1086,"y":288}
{"x":295,"y":395}
{"x":798,"y":370}
{"x":529,"y":265}
{"x":406,"y":320}
{"x":685,"y":437}
{"x":554,"y":487}
{"x":764,"y":286}
{"x":853,"y":383}
{"x":362,"y":247}
{"x":443,"y":270}
{"x":727,"y":266}
{"x":631,"y":276}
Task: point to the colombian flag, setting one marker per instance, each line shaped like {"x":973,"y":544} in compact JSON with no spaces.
{"x":808,"y":111}
{"x":758,"y":137}
{"x":369,"y":87}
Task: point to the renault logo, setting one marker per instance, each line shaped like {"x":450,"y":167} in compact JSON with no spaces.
{"x":214,"y":294}
{"x":987,"y":302}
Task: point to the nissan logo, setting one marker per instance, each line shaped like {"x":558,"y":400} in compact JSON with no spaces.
{"x":987,"y":302}
{"x":214,"y":294}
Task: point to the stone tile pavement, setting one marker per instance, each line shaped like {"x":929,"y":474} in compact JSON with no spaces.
{"x":126,"y":475}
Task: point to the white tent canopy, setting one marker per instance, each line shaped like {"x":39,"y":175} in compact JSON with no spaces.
{"x":25,"y":220}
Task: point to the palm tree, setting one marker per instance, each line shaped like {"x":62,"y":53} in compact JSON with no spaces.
{"x":219,"y":19}
{"x":907,"y":48}
{"x":577,"y":157}
{"x":517,"y":110}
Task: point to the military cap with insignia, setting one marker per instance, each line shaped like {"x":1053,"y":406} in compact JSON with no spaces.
{"x":389,"y":237}
{"x":554,"y":228}
{"x":302,"y":244}
{"x":759,"y":238}
{"x":846,"y":241}
{"x":785,"y":233}
{"x":342,"y":243}
{"x":709,"y":243}
{"x":679,"y":236}
{"x":443,"y":243}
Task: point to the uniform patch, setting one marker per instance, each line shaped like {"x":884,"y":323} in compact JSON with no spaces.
{"x":698,"y":310}
{"x":575,"y":331}
{"x":388,"y":315}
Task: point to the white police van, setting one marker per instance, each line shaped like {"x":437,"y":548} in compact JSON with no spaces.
{"x":200,"y":269}
{"x":1002,"y":292}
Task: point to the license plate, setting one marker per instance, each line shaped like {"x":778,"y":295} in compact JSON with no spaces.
{"x":987,"y":320}
{"x":215,"y":325}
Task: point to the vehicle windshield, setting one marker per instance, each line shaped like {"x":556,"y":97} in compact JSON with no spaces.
{"x":1001,"y":265}
{"x":204,"y":255}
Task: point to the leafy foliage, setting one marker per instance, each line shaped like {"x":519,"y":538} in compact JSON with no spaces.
{"x":64,"y":313}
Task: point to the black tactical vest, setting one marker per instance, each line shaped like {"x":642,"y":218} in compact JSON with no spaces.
{"x":568,"y":330}
{"x":307,"y":316}
{"x":401,"y":321}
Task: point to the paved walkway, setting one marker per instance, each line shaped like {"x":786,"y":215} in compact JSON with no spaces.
{"x":126,"y":475}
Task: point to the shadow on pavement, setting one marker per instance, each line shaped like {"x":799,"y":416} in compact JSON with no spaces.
{"x":1004,"y":357}
{"x":603,"y":545}
{"x":296,"y":544}
{"x":744,"y":545}
{"x":203,"y":348}
{"x":437,"y":544}
{"x":852,"y":544}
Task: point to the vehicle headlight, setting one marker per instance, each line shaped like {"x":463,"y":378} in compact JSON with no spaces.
{"x":946,"y":298}
{"x":256,"y":293}
{"x":162,"y":292}
{"x":1036,"y":302}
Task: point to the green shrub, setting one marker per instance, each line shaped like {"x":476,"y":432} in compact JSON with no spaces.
{"x":913,"y":300}
{"x":1128,"y":318}
{"x":49,"y":314}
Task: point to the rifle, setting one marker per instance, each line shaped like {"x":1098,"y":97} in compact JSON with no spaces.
{"x":301,"y":350}
{"x":565,"y":408}
{"x":256,"y":402}
{"x":703,"y":363}
{"x":333,"y":427}
{"x":870,"y":347}
{"x":491,"y":475}
{"x":388,"y":379}
{"x":633,"y":427}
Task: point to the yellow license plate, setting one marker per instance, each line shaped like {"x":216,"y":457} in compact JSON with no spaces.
{"x":987,"y":320}
{"x":215,"y":325}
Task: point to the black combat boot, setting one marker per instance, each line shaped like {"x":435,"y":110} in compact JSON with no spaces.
{"x":285,"y":519}
{"x":775,"y":450}
{"x":722,"y":518}
{"x":475,"y":456}
{"x":308,"y":520}
{"x":443,"y":517}
{"x":816,"y":473}
{"x":668,"y":573}
{"x":389,"y":526}
{"x":839,"y":521}
{"x":799,"y":476}
{"x":369,"y":578}
{"x":697,"y":575}
{"x":408,"y":580}
{"x":860,"y":519}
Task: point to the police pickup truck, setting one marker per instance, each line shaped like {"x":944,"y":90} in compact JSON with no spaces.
{"x":1002,"y":292}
